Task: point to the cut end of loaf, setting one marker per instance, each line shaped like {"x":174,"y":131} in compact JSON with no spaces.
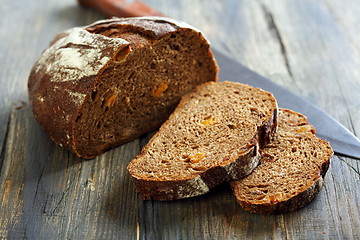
{"x":214,"y":134}
{"x":291,"y":169}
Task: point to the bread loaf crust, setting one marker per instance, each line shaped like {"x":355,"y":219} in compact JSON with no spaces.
{"x":68,"y":70}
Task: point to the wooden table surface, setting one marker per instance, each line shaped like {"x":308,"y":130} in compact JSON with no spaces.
{"x":309,"y":47}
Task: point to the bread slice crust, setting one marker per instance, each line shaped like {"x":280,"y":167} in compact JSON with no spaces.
{"x":291,"y":170}
{"x":200,"y":146}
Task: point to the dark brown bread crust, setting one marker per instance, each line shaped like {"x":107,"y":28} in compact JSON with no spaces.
{"x":290,"y":205}
{"x":285,"y":202}
{"x":171,"y":190}
{"x":182,"y":188}
{"x":57,"y":94}
{"x":151,"y":28}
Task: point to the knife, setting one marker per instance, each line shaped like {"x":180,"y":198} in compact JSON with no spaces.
{"x":341,"y":139}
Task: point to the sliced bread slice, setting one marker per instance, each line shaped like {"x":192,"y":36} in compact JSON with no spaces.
{"x":291,"y":170}
{"x":212,"y":136}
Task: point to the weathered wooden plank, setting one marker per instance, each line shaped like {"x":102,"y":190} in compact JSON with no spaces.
{"x":12,"y":175}
{"x":48,"y":193}
{"x":66,"y":197}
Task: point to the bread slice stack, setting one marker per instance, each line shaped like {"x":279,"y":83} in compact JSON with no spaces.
{"x":233,"y":132}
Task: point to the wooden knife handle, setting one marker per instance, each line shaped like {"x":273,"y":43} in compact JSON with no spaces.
{"x":120,"y":8}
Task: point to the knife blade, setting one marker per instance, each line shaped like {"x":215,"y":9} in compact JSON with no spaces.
{"x":341,"y":139}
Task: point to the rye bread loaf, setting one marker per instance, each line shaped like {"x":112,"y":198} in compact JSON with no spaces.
{"x":213,"y":136}
{"x":291,"y":169}
{"x":98,"y":86}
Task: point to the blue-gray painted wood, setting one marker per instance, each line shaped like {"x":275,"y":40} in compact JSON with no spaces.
{"x":310,"y":47}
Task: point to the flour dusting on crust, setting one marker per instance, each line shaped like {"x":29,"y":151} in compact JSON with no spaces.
{"x":76,"y":97}
{"x":195,"y":186}
{"x":77,"y":55}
